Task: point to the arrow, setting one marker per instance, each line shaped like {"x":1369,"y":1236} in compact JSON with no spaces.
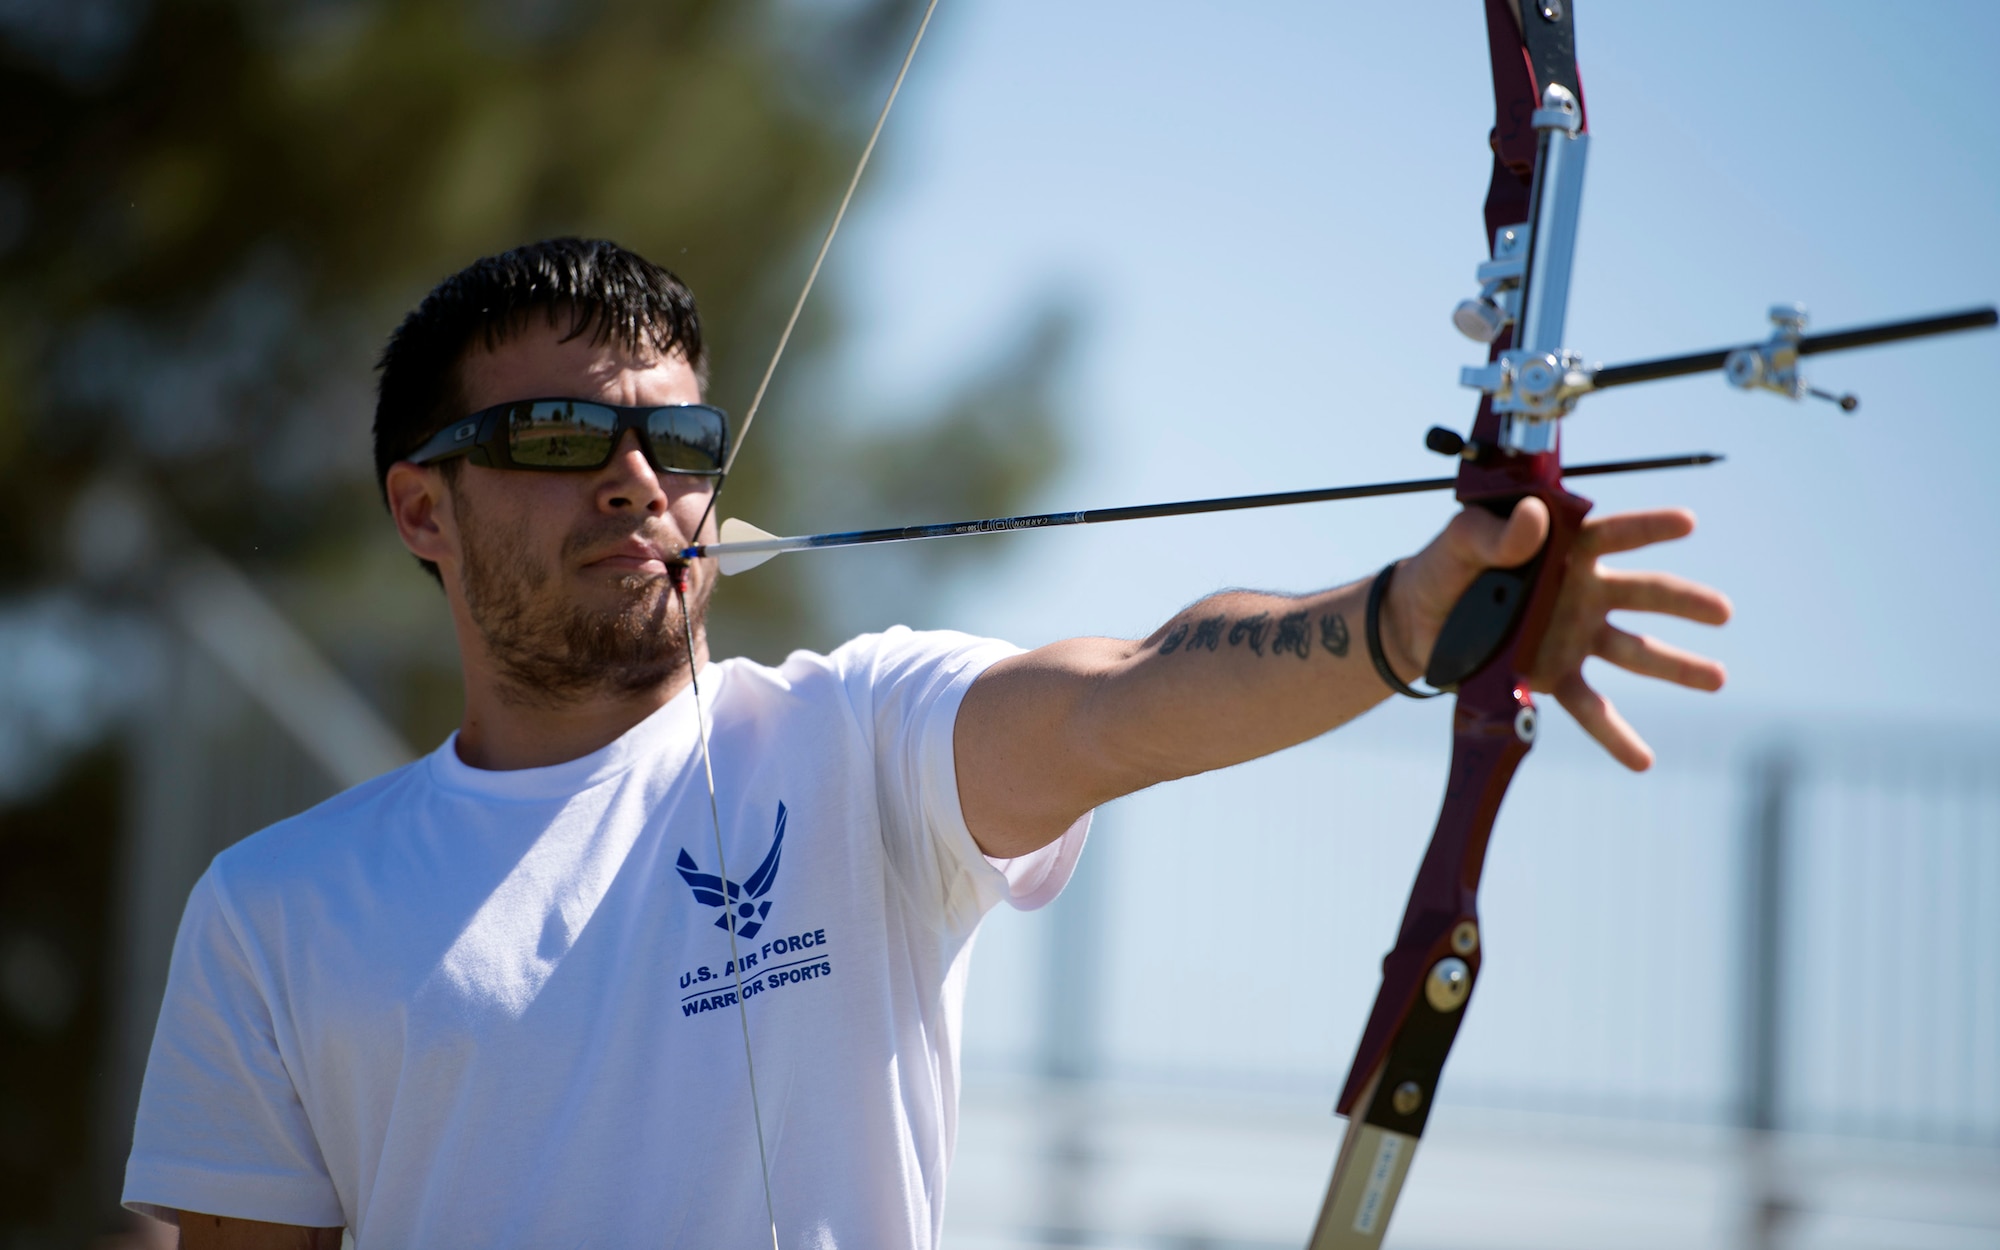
{"x":744,"y":546}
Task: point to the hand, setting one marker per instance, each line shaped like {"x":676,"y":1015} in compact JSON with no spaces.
{"x":1430,"y":582}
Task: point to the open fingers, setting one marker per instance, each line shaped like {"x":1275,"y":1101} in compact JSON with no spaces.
{"x":1666,"y":594}
{"x":1601,"y":721}
{"x":1629,"y":531}
{"x":1649,"y":657}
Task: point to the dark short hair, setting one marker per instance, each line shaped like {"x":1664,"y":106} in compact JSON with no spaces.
{"x":598,"y":288}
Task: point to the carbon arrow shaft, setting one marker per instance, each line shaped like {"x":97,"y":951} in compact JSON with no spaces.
{"x":1139,"y":512}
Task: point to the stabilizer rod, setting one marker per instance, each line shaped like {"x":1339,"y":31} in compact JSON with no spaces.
{"x":1809,"y":345}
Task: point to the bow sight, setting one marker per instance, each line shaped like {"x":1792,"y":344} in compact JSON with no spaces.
{"x":1538,"y":380}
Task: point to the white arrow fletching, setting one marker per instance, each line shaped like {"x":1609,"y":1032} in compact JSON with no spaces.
{"x":736,"y":530}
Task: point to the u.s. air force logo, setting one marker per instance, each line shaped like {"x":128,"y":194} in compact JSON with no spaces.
{"x":780,"y":959}
{"x":744,"y":902}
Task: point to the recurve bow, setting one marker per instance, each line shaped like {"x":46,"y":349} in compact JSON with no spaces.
{"x":1539,"y":141}
{"x":1530,"y":381}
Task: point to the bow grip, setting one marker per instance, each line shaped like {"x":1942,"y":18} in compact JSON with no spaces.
{"x":1479,"y":624}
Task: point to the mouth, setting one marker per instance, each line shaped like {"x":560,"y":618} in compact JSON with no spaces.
{"x":652,"y":565}
{"x":638,"y":556}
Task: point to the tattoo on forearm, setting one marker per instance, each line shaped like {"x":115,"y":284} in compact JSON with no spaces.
{"x":1250,"y":629}
{"x":1205,"y":634}
{"x":1294,"y":636}
{"x":1333,"y":633}
{"x":1290,"y":634}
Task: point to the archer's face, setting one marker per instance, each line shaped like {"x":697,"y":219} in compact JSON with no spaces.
{"x":566,"y":576}
{"x":590,"y":529}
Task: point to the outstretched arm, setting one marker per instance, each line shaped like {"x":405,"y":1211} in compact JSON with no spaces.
{"x":1046,"y":736}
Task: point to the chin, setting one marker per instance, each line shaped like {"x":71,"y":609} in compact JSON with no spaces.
{"x":622,"y":589}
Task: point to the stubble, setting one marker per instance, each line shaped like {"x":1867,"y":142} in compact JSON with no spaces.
{"x":550,"y":650}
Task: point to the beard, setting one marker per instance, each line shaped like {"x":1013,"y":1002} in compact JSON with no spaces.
{"x":549,"y":649}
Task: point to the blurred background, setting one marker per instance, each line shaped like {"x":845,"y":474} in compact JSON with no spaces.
{"x":1109,"y":253}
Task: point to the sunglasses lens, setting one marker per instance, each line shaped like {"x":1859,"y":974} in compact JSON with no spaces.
{"x":688,"y":438}
{"x":560,"y":434}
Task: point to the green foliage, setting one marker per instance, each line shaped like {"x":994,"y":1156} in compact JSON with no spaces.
{"x":220,"y":207}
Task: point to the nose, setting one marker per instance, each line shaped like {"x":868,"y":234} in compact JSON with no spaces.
{"x":628,"y":483}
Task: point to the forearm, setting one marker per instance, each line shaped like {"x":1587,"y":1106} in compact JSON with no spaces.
{"x":1046,"y":736}
{"x":1236,"y":676}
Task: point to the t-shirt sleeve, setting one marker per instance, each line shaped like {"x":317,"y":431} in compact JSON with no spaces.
{"x":911,"y":684}
{"x":220,"y":1127}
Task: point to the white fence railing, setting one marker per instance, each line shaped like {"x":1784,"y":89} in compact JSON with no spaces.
{"x":1777,"y":928}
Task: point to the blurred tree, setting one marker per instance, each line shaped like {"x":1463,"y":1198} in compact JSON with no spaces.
{"x":55,"y":885}
{"x":213,"y":211}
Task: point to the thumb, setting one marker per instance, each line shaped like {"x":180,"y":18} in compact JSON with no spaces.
{"x":1478,"y":540}
{"x":1527,"y":528}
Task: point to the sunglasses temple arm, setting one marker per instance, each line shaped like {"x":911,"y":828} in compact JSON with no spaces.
{"x":744,"y":546}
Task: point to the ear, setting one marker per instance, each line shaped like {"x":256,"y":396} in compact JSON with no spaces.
{"x":420,"y":502}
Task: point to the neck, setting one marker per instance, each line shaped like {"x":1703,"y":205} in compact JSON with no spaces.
{"x":505,"y":728}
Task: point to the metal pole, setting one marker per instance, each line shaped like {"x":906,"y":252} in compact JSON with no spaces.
{"x":1071,"y":1054}
{"x":1772,"y":779}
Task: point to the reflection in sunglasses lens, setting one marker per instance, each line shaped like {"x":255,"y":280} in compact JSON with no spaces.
{"x":560,"y":435}
{"x":688,"y":439}
{"x":573,"y":434}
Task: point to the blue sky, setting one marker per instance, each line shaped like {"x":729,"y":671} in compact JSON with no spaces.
{"x":1265,"y":213}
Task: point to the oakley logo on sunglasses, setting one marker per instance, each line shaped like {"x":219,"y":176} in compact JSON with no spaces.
{"x":565,"y":435}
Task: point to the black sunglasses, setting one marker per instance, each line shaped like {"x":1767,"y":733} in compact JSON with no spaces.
{"x":579,"y":434}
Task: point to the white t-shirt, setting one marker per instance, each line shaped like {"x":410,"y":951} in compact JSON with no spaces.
{"x":455,"y":1007}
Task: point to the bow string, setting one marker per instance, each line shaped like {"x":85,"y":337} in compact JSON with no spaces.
{"x":680,"y":575}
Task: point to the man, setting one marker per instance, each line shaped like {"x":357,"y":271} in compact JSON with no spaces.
{"x":533,"y":991}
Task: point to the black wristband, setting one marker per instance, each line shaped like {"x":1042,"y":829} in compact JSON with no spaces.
{"x":1378,"y":591}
